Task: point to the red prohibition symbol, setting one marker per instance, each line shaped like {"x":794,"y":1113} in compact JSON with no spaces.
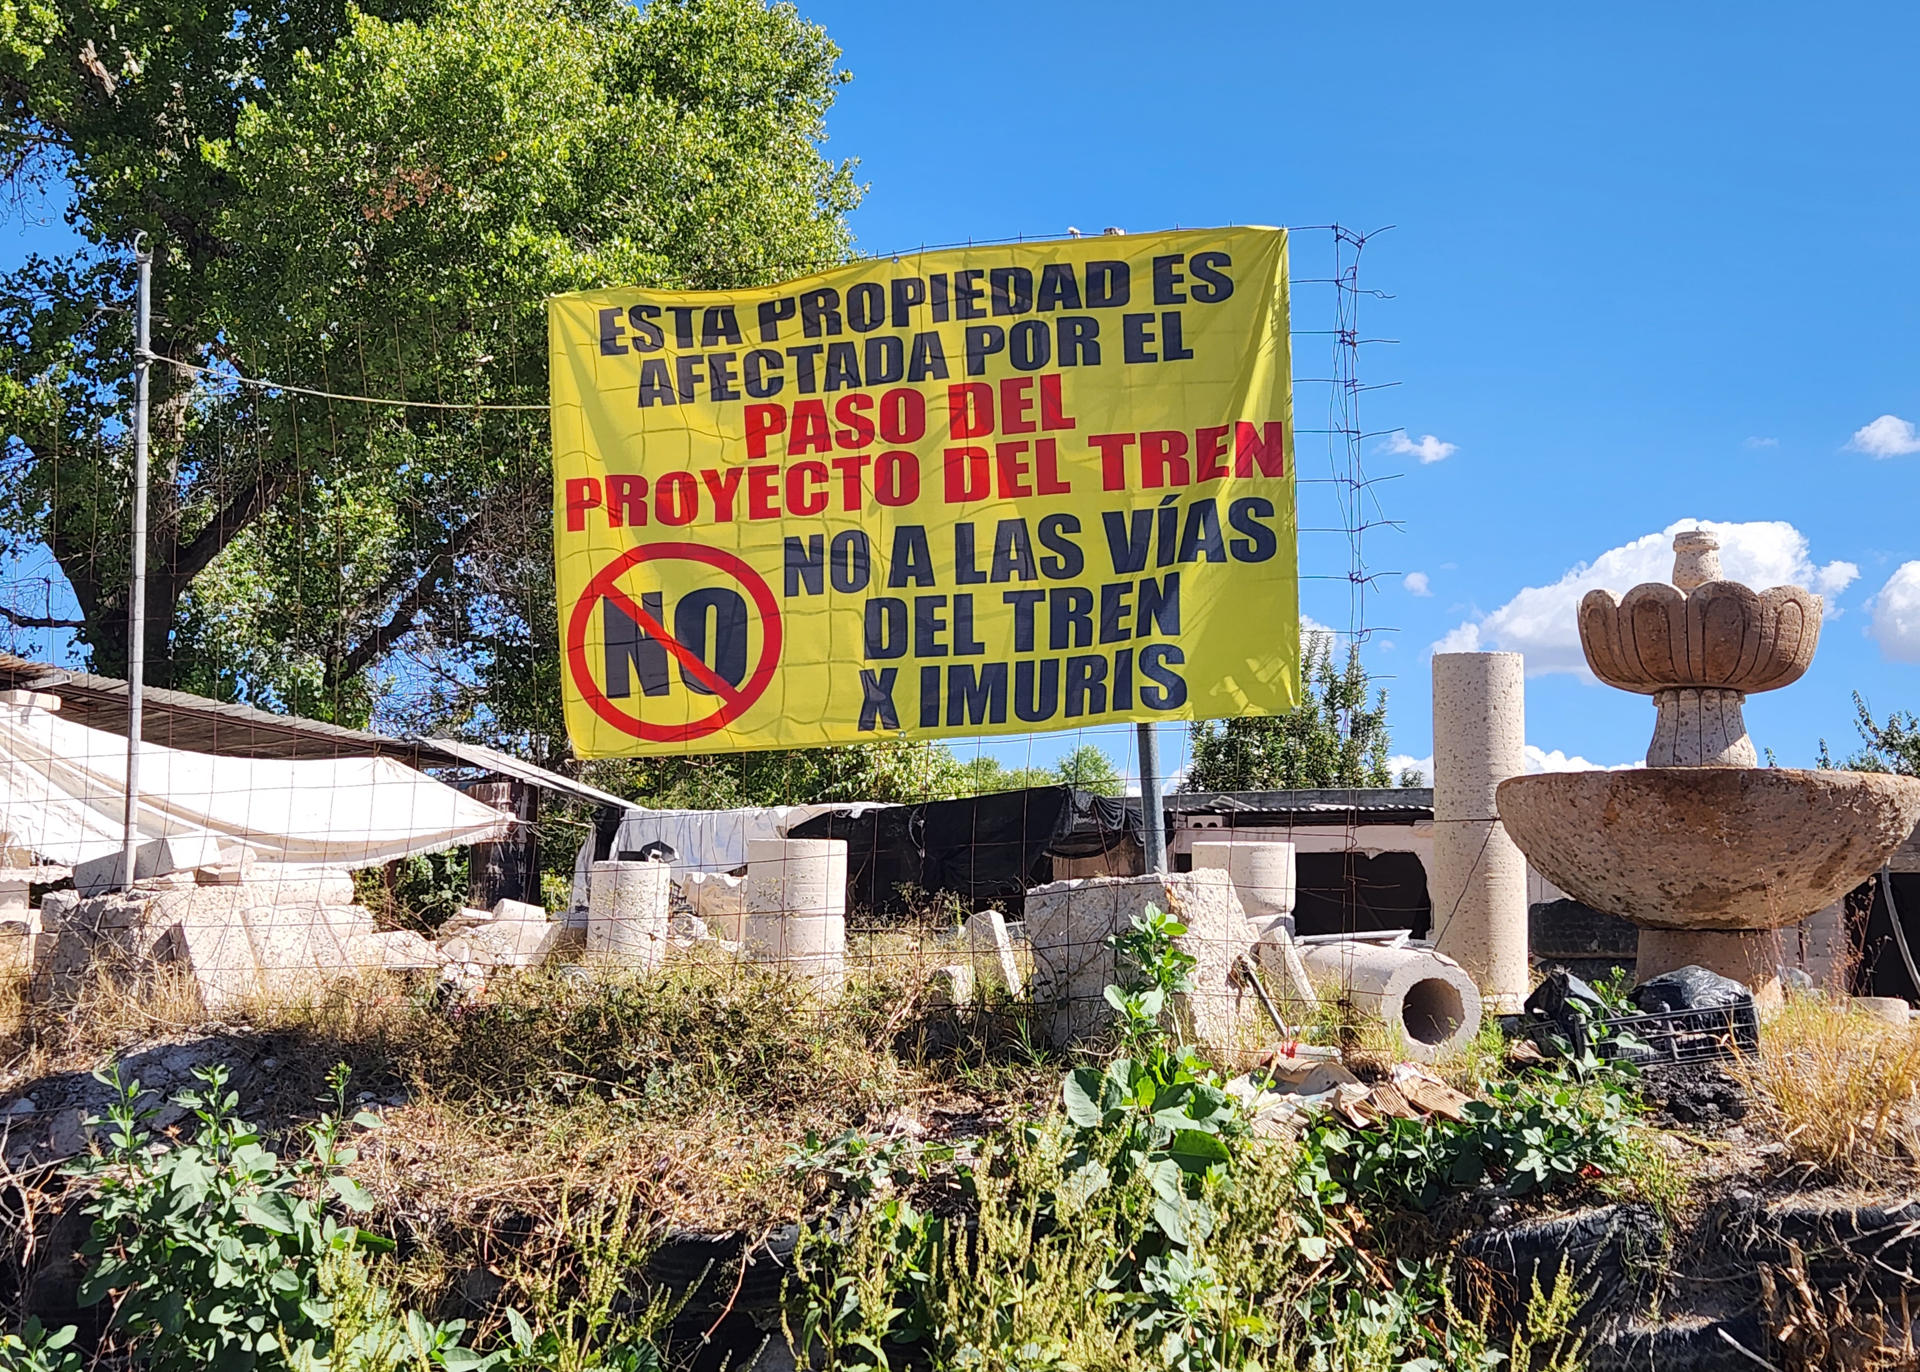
{"x":734,"y":700}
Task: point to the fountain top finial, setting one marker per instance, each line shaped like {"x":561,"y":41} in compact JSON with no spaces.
{"x":1696,"y":559}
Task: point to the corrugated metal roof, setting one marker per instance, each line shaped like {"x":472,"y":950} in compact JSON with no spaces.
{"x":487,"y":759}
{"x":1379,"y":804}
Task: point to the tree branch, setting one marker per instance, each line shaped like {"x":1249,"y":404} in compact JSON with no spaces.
{"x":259,"y":495}
{"x":39,"y":621}
{"x":418,"y":597}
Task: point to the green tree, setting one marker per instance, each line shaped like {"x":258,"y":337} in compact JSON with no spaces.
{"x":896,"y":771}
{"x":1334,"y":738}
{"x":984,"y":775}
{"x":1089,"y":769}
{"x":1890,"y":747}
{"x":374,"y":200}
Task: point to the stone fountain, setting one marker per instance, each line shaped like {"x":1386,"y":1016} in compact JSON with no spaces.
{"x":1708,"y":852}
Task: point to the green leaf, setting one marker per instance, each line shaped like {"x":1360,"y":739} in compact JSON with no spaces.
{"x":1170,"y":1217}
{"x":351,"y":1193}
{"x":1196,"y":1150}
{"x":1083,"y":1093}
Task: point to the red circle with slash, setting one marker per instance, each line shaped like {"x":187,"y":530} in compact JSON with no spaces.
{"x":734,"y":700}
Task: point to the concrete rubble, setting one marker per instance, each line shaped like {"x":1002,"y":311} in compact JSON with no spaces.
{"x":990,"y":950}
{"x":246,"y":928}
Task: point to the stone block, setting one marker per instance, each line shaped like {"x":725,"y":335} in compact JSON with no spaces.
{"x":219,"y":954}
{"x":505,"y":943}
{"x":101,"y":913}
{"x":951,"y":984}
{"x":14,"y":899}
{"x":156,"y":857}
{"x":233,"y":866}
{"x":1069,"y":923}
{"x":272,"y":883}
{"x":519,"y":910}
{"x":462,"y":920}
{"x":349,"y":921}
{"x":991,"y":951}
{"x":16,"y":937}
{"x":395,"y":950}
{"x":291,"y":944}
{"x":56,"y":907}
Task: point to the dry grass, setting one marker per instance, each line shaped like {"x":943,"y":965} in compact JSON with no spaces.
{"x":1841,"y":1090}
{"x":111,"y":1008}
{"x":694,"y":1083}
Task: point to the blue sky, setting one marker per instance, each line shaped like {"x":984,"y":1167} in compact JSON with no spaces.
{"x":1649,"y":264}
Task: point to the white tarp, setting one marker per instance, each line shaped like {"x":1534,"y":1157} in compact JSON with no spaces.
{"x":63,"y":791}
{"x":710,"y":841}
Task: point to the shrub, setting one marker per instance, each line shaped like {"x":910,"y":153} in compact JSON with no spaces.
{"x":217,"y":1253}
{"x":1841,"y":1090}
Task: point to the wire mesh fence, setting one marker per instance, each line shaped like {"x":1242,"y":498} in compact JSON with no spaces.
{"x":355,"y":780}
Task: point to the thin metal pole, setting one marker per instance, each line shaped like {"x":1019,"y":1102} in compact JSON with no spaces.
{"x":1153,"y":827}
{"x":137,"y":582}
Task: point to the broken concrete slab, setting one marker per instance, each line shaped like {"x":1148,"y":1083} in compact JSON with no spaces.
{"x":233,"y":867}
{"x":519,"y":910}
{"x":505,"y":943}
{"x":951,"y":984}
{"x":1069,"y":923}
{"x":991,"y":950}
{"x":394,"y":950}
{"x":156,"y":857}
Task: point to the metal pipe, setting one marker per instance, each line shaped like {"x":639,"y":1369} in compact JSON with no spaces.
{"x":1153,"y":825}
{"x":137,"y":581}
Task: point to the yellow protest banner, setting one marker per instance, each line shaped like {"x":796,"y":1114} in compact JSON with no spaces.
{"x":979,"y":490}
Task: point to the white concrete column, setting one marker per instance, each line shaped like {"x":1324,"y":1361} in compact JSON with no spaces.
{"x":1479,"y":885}
{"x":627,"y":912}
{"x":797,"y":907}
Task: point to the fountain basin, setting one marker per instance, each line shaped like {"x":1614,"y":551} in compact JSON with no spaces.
{"x":1709,"y":849}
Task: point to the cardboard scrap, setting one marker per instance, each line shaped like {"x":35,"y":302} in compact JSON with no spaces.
{"x":1278,"y":1096}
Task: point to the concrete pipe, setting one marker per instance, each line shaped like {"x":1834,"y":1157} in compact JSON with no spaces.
{"x":796,"y":907}
{"x":1263,"y":876}
{"x":627,"y":910}
{"x":1429,"y":998}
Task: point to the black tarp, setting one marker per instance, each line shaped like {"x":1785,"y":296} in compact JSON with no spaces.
{"x":1882,"y":971}
{"x":1351,"y":893}
{"x":983,"y":849}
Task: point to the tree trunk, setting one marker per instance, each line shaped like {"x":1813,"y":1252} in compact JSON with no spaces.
{"x":510,"y":869}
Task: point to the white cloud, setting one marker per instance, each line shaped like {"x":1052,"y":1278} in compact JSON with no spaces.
{"x":1428,"y":449}
{"x":1887,"y":436}
{"x":1763,"y":442}
{"x":1896,"y":615}
{"x":1538,"y":760}
{"x":1462,"y":638}
{"x":1416,"y":583}
{"x":1540,"y":620}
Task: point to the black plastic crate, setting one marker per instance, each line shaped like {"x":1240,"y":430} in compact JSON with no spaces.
{"x":1672,"y":1036}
